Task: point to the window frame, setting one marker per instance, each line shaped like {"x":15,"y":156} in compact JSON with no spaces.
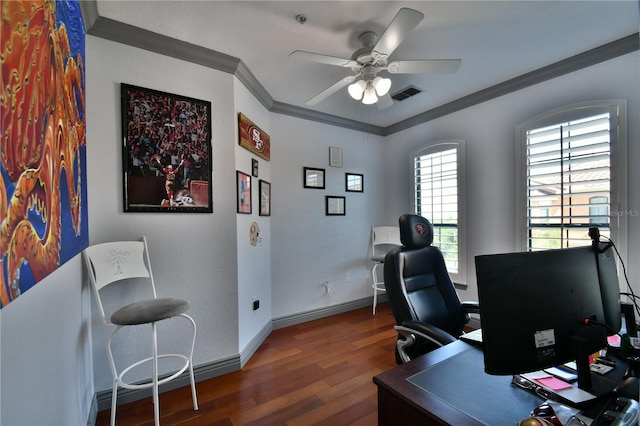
{"x":617,"y":108}
{"x":459,"y":278}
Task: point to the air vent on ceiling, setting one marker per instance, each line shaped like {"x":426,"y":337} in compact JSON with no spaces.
{"x":406,"y":93}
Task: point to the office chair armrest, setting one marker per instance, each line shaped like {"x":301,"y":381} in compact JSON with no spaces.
{"x":471,"y":307}
{"x":410,"y":329}
{"x":430,"y":332}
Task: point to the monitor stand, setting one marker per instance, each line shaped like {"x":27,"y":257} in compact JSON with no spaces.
{"x":595,"y":384}
{"x":582,"y":364}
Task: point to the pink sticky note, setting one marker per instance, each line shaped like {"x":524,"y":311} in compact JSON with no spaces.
{"x":614,"y":341}
{"x":553,"y":383}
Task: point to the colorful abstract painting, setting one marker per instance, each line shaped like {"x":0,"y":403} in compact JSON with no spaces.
{"x":43,"y":199}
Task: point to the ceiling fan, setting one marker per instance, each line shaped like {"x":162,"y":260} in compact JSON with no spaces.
{"x":365,"y":84}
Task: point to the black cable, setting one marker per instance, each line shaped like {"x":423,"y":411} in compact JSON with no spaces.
{"x":629,"y":295}
{"x":626,"y":278}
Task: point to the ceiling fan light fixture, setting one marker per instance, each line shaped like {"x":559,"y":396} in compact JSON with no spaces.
{"x":373,"y":57}
{"x":369,"y":95}
{"x":356,"y":90}
{"x":382,"y":85}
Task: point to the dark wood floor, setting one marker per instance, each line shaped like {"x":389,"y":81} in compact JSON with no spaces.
{"x":316,"y":373}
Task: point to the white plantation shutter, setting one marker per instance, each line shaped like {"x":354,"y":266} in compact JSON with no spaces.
{"x":437,"y":194}
{"x":568,"y":177}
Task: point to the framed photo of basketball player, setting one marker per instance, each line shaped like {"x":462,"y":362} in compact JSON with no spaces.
{"x":166,"y":152}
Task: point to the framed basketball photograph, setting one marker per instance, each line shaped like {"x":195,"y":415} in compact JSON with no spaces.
{"x":166,"y":152}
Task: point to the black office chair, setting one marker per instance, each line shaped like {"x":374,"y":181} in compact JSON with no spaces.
{"x":422,"y":296}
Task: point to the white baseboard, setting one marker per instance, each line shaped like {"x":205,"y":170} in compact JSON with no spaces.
{"x":328,"y":311}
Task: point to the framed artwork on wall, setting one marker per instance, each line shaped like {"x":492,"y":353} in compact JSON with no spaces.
{"x":335,"y":205}
{"x":253,"y":138}
{"x":313,"y":178}
{"x":243,"y":192}
{"x":166,"y":152}
{"x":354,"y":182}
{"x":335,"y":156}
{"x":264,"y":189}
{"x":44,"y":162}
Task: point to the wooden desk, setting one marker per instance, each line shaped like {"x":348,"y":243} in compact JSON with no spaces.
{"x":452,"y":389}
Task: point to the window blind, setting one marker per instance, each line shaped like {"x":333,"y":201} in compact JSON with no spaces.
{"x":568,"y":181}
{"x":436,"y":198}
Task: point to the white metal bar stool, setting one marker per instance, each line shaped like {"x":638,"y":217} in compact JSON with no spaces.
{"x":383,"y":239}
{"x":123,"y":262}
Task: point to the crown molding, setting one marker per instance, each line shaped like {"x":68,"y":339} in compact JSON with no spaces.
{"x":148,"y":40}
{"x":594,"y":56}
{"x":334,"y":120}
{"x":246,"y":77}
{"x":110,"y":29}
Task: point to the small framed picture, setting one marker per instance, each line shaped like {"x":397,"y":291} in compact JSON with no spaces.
{"x":243,"y":192}
{"x":254,"y":167}
{"x":354,"y":182}
{"x":264,"y":189}
{"x":335,"y":156}
{"x":335,"y":205}
{"x":313,"y":178}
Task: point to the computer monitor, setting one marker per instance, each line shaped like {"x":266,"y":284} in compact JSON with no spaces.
{"x":533,"y":307}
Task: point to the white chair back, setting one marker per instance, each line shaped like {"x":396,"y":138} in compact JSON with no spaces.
{"x":383,"y":239}
{"x":117,"y":261}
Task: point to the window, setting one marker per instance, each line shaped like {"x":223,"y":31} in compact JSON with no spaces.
{"x":570,"y":163}
{"x":438,"y":195}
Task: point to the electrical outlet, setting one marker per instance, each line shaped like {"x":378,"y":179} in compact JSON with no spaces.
{"x":347,"y":277}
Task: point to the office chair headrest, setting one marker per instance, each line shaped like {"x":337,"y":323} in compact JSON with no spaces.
{"x":415,"y":231}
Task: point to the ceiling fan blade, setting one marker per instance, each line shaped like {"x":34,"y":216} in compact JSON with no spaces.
{"x":321,"y":59}
{"x":385,"y":101}
{"x":427,"y":66}
{"x":403,"y":23}
{"x":331,"y":90}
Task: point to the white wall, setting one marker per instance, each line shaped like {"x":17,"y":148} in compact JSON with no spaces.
{"x":45,"y":363}
{"x":254,"y":262}
{"x":489,"y":131}
{"x":193,"y":255}
{"x":309,"y":248}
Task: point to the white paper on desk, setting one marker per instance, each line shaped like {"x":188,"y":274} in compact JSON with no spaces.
{"x":573,"y":394}
{"x":562,"y":374}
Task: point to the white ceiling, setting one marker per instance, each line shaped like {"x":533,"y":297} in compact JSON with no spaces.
{"x":496,"y":41}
